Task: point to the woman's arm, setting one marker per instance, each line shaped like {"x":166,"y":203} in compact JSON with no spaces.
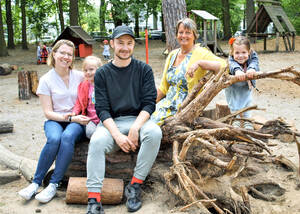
{"x":205,"y":65}
{"x":48,"y":109}
{"x":160,"y":95}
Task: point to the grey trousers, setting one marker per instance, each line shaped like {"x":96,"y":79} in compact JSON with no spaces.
{"x":102,"y":143}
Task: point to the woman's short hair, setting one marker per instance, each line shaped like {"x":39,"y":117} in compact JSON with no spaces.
{"x":51,"y":60}
{"x":188,"y":24}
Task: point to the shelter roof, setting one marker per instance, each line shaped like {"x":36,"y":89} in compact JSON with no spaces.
{"x":75,"y":33}
{"x":267,"y":14}
{"x":205,"y":15}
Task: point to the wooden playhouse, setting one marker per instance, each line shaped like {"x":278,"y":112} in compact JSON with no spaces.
{"x":81,"y":39}
{"x":272,"y":12}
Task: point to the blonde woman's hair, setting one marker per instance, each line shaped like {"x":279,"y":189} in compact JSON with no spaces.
{"x":240,"y":40}
{"x":190,"y":25}
{"x":89,"y":59}
{"x":51,"y":60}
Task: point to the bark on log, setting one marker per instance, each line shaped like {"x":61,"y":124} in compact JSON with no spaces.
{"x":8,"y":176}
{"x":24,"y":165}
{"x":5,"y":69}
{"x":34,"y":81}
{"x":24,"y":85}
{"x":112,"y":191}
{"x":6,"y":127}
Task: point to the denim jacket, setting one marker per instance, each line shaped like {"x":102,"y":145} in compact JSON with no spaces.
{"x":252,"y":62}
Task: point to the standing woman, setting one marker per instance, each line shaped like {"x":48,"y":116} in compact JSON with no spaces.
{"x":184,"y":67}
{"x":57,"y":92}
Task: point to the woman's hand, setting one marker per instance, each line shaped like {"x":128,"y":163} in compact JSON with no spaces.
{"x":241,"y":75}
{"x":191,"y":70}
{"x":81,"y":119}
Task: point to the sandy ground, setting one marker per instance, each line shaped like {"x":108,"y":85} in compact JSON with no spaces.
{"x":278,"y":98}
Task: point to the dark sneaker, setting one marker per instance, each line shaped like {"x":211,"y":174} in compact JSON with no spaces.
{"x":94,"y":207}
{"x":133,"y":195}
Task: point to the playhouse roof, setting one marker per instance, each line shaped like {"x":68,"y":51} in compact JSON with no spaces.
{"x":204,"y":15}
{"x":76,"y":34}
{"x":267,"y":14}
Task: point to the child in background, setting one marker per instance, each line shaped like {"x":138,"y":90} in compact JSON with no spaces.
{"x":38,"y":53}
{"x":85,"y":103}
{"x":106,"y":53}
{"x":243,"y":61}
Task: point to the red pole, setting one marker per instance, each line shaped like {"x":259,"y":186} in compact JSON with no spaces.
{"x":146,"y":42}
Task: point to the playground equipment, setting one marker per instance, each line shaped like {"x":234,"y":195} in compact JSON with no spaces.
{"x":208,"y":33}
{"x":81,"y":39}
{"x":271,"y":11}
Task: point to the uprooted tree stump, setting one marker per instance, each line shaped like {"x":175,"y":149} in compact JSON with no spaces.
{"x":28,"y":82}
{"x":217,"y":167}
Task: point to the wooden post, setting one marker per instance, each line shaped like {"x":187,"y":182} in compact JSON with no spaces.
{"x":265,"y":43}
{"x":112,"y":191}
{"x":24,"y":85}
{"x":215,"y":37}
{"x":6,"y":126}
{"x":34,"y":81}
{"x":293,"y":42}
{"x":289,"y":42}
{"x":205,"y":33}
{"x":277,"y":42}
{"x":285,"y":44}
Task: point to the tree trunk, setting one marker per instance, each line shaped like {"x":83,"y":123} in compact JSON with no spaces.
{"x":73,"y":12}
{"x":173,"y":11}
{"x":24,"y":35}
{"x":9,"y":22}
{"x":61,"y":15}
{"x":24,"y":85}
{"x":112,"y":191}
{"x":5,"y":69}
{"x":226,"y":19}
{"x":3,"y":49}
{"x":136,"y":24}
{"x":8,"y":176}
{"x":102,"y":11}
{"x":250,"y":12}
{"x":6,"y":127}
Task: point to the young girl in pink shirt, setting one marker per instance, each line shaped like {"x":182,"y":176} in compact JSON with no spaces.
{"x":85,"y":103}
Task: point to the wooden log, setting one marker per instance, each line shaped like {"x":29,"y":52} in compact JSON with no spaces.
{"x":24,"y":85}
{"x":112,"y":191}
{"x":5,"y":69}
{"x":8,"y":176}
{"x":34,"y":81}
{"x":24,"y":165}
{"x":6,"y":127}
{"x":222,"y":110}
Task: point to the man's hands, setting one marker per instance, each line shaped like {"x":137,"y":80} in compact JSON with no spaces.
{"x":130,"y":142}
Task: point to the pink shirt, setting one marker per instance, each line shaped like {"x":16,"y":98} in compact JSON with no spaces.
{"x":91,"y":111}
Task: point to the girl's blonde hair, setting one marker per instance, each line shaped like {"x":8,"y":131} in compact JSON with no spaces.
{"x":89,"y":59}
{"x":188,"y":24}
{"x":240,"y":40}
{"x":51,"y":60}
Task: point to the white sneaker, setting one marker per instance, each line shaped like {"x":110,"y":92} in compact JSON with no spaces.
{"x":47,"y":194}
{"x":29,"y":191}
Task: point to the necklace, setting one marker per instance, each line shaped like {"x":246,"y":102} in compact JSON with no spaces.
{"x":186,"y":51}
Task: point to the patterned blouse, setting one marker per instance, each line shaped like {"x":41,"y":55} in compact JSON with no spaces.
{"x":177,"y":91}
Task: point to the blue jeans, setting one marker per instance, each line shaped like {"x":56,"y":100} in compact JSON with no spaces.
{"x":61,"y":138}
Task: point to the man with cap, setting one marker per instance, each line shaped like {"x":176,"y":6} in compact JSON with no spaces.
{"x":125,"y":96}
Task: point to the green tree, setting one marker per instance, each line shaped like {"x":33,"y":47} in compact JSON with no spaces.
{"x":3,"y":49}
{"x":24,"y":35}
{"x":102,"y":15}
{"x":119,"y":12}
{"x":73,"y":12}
{"x":291,"y":7}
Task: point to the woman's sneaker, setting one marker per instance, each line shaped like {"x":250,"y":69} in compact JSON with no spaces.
{"x":236,"y":124}
{"x":47,"y":194}
{"x":29,"y":191}
{"x":248,"y":125}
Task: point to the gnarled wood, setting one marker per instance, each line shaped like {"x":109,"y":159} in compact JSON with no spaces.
{"x":6,"y":126}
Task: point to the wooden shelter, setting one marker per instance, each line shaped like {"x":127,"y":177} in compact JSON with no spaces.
{"x":271,"y":11}
{"x":81,"y":39}
{"x":208,"y":33}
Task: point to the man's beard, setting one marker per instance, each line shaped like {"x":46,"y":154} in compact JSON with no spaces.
{"x":123,"y":58}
